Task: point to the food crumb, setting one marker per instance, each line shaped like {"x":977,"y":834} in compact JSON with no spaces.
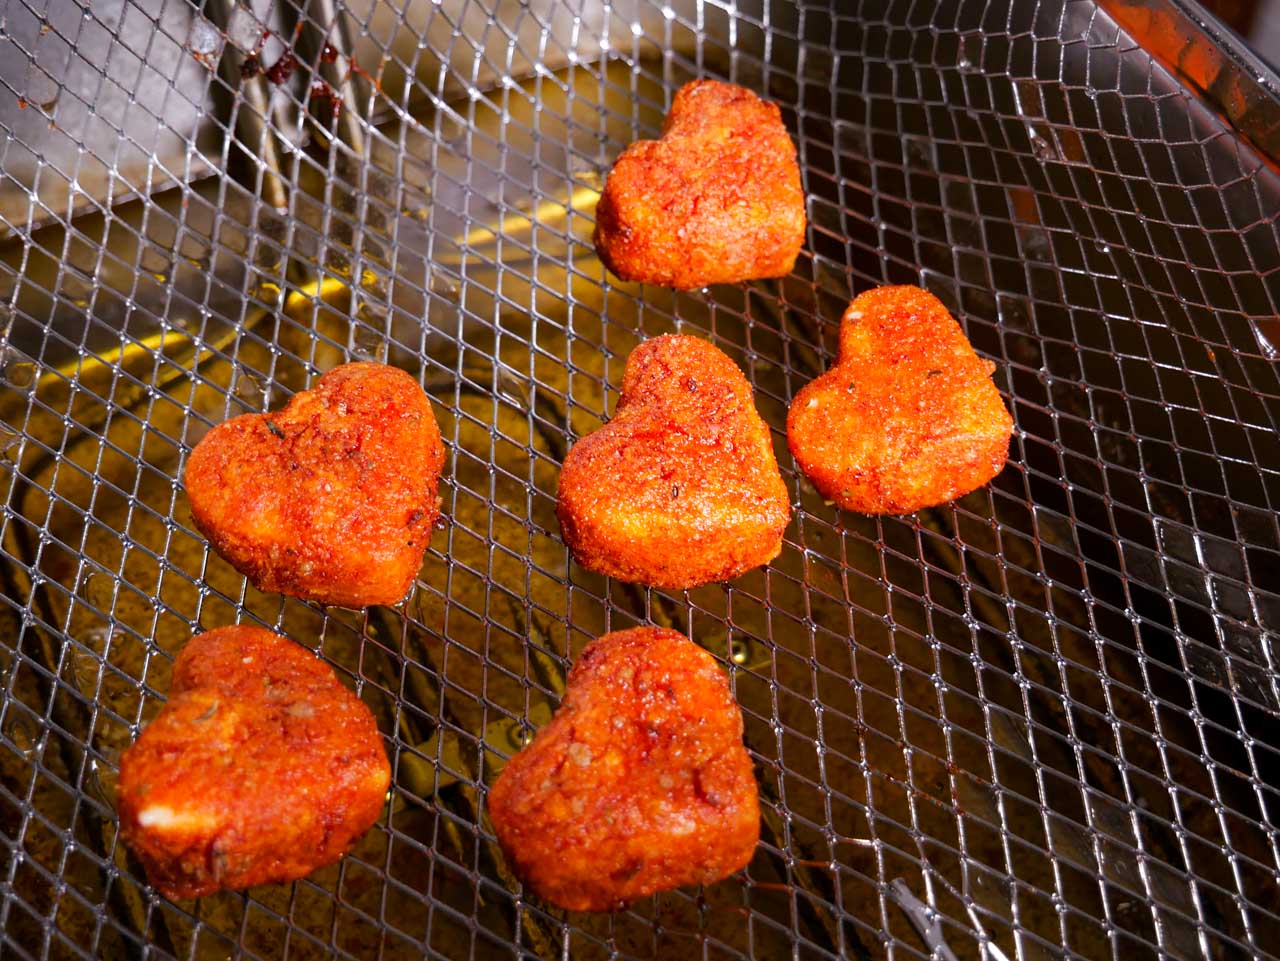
{"x":579,"y":754}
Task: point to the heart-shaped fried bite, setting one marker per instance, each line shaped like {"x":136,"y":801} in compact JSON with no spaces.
{"x":681,"y":488}
{"x":908,"y":417}
{"x":331,"y":499}
{"x":715,"y":201}
{"x":261,"y":768}
{"x":639,"y":784}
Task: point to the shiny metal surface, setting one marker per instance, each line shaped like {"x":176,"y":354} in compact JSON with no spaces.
{"x":1037,"y":723}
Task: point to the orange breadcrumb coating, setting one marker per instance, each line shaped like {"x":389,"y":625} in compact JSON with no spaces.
{"x":261,"y":768}
{"x":681,"y":488}
{"x":639,"y":784}
{"x":716,"y":200}
{"x":331,"y":499}
{"x":908,"y":417}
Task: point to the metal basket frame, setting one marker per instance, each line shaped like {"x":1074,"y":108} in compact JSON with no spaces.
{"x":1039,"y":722}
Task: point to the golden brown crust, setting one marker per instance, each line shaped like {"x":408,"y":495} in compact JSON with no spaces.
{"x":639,"y":784}
{"x":681,"y":488}
{"x":261,"y":768}
{"x":908,"y":417}
{"x":331,"y":499}
{"x":716,"y":200}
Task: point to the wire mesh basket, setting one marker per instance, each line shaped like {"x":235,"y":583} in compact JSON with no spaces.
{"x":1039,"y":722}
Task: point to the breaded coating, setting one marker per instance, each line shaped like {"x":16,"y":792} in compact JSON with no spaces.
{"x":908,"y":417}
{"x":261,"y":768}
{"x":331,"y":499}
{"x":639,"y":784}
{"x":681,"y":488}
{"x":716,"y":200}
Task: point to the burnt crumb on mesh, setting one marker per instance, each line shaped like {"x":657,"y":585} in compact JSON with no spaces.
{"x":282,"y":69}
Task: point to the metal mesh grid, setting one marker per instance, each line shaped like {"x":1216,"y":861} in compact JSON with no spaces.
{"x":1038,"y":722}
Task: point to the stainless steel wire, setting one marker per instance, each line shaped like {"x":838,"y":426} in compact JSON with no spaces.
{"x":1040,"y":722}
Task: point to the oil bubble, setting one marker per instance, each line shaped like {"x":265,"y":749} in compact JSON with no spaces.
{"x":87,"y":660}
{"x":17,"y":370}
{"x":248,"y":388}
{"x":368,"y":344}
{"x":22,"y":731}
{"x":10,"y":448}
{"x":103,"y":775}
{"x":1042,"y":149}
{"x":513,"y":388}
